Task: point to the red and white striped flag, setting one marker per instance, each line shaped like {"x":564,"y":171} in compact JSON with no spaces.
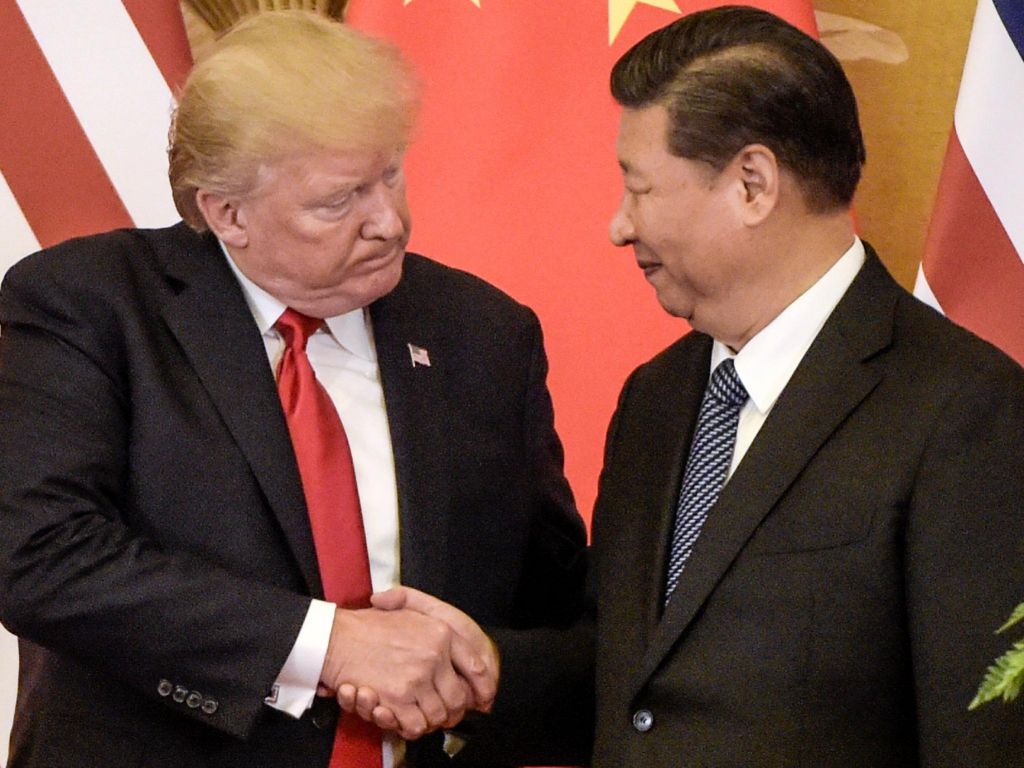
{"x":85,"y":102}
{"x":973,"y":267}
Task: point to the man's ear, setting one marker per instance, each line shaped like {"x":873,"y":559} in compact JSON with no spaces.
{"x":758,"y":172}
{"x":223,"y":217}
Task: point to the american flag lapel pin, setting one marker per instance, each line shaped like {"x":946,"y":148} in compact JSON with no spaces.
{"x":419,"y":356}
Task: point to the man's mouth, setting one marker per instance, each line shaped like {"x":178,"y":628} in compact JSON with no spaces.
{"x":388,"y":254}
{"x":648,"y":267}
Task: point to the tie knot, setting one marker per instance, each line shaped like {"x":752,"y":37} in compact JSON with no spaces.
{"x":296,"y":328}
{"x":726,"y":386}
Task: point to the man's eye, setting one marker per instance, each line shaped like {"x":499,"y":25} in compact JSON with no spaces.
{"x":337,"y":202}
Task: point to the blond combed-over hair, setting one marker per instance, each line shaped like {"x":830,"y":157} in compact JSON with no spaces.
{"x":278,"y":83}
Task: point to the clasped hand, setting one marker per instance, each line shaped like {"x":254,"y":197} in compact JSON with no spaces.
{"x":410,"y":664}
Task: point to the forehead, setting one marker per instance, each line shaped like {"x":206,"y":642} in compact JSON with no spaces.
{"x":319,"y":165}
{"x":643,"y":134}
{"x":645,"y":157}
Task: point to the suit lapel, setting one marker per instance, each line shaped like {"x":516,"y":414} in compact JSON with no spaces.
{"x":417,"y":409}
{"x":832,"y":380}
{"x":211,"y":321}
{"x":638,"y":494}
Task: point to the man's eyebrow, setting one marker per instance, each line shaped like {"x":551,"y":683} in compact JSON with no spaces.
{"x":339,"y":188}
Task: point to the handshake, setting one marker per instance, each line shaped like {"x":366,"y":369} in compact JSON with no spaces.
{"x":410,"y":664}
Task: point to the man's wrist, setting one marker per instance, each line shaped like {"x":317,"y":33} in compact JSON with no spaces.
{"x":295,"y":687}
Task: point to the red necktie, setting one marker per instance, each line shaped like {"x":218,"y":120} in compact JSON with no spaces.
{"x":329,"y":484}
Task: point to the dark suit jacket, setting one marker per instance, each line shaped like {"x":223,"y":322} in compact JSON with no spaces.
{"x":152,"y":522}
{"x":839,"y":606}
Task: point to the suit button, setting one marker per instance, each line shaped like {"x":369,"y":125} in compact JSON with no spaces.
{"x":165,"y":687}
{"x":209,"y":706}
{"x":643,"y":720}
{"x":180,"y":692}
{"x":193,"y":700}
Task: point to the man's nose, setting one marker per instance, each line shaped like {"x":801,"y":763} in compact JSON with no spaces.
{"x":620,"y":228}
{"x":384,"y":220}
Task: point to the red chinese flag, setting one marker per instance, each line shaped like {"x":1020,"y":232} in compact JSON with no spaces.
{"x":513,"y":176}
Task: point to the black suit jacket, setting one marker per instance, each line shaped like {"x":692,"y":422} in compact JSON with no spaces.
{"x":839,"y":606}
{"x":152,"y":522}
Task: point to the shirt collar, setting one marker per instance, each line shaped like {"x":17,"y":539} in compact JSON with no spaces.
{"x":351,"y":330}
{"x":767,"y":362}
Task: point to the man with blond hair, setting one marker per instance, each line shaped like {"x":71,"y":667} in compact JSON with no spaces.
{"x":219,"y":438}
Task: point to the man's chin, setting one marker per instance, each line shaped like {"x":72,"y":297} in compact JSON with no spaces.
{"x":382,"y":280}
{"x":355,"y":292}
{"x":674,"y":307}
{"x":391,"y":276}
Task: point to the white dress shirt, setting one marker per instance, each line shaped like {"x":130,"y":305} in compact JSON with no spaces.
{"x":766,"y":363}
{"x":344,"y":360}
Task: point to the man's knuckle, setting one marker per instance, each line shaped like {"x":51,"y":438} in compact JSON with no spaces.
{"x":436,"y":718}
{"x":439,"y":633}
{"x":404,"y":691}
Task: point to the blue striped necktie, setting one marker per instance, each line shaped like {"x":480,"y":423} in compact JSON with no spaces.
{"x":707,"y":465}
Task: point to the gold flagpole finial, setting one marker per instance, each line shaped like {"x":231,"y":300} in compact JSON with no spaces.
{"x":221,"y":15}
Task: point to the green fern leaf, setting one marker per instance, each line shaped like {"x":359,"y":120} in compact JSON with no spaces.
{"x":1004,"y":678}
{"x":1015,"y":617}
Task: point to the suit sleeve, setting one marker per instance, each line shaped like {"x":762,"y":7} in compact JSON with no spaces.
{"x":965,"y":568}
{"x":544,"y":713}
{"x":77,"y":573}
{"x":552,"y":586}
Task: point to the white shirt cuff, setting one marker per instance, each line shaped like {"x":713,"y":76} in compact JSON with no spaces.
{"x":295,"y":687}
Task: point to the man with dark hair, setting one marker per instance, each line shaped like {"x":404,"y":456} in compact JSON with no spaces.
{"x":810,"y":516}
{"x":731,"y":78}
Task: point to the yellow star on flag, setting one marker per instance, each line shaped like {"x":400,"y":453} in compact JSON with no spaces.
{"x":474,"y":2}
{"x":619,"y":10}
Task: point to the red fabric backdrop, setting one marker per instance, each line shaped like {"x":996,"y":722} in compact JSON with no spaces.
{"x":513,"y":176}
